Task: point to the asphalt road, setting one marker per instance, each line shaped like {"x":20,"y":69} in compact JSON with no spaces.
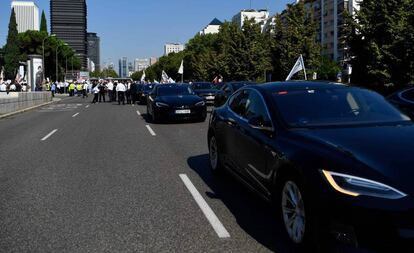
{"x":77,"y":177}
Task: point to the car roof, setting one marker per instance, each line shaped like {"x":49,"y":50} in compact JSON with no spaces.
{"x":298,"y":85}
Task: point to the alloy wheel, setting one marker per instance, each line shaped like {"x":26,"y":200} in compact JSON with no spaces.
{"x":293,"y":211}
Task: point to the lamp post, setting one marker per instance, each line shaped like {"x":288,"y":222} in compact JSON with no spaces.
{"x":43,"y":48}
{"x":57,"y":60}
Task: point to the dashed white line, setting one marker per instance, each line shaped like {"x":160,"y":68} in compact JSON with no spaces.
{"x":150,"y":130}
{"x":50,"y":134}
{"x":208,"y":212}
{"x":87,"y":106}
{"x":74,"y":115}
{"x":139,"y":114}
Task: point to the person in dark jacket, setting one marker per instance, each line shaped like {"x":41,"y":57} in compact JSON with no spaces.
{"x":101,"y":93}
{"x":133,"y":92}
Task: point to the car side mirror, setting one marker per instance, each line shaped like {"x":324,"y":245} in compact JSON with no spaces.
{"x":259,"y":124}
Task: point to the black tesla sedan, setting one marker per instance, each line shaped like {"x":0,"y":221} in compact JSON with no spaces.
{"x":335,"y":160}
{"x":226,"y":90}
{"x":206,"y":91}
{"x":175,"y":101}
{"x":404,"y":100}
{"x":143,"y":91}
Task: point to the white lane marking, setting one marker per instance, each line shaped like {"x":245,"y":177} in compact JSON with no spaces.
{"x":50,"y":134}
{"x":150,"y":130}
{"x":74,"y":115}
{"x":139,"y":114}
{"x":208,"y":212}
{"x":87,"y":106}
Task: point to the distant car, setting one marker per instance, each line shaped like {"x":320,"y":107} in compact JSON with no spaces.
{"x":226,"y":90}
{"x":206,"y":91}
{"x":404,"y":100}
{"x":142,"y":93}
{"x":335,"y":160}
{"x":175,"y":101}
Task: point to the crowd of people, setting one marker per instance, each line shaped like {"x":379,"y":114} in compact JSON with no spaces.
{"x":121,"y":92}
{"x":13,"y":86}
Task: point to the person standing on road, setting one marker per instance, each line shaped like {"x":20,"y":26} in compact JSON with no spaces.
{"x":110,"y":88}
{"x":72,"y":89}
{"x":95,"y":91}
{"x":85,"y":90}
{"x":101,"y":92}
{"x":121,"y":89}
{"x":133,"y":93}
{"x":53,"y":89}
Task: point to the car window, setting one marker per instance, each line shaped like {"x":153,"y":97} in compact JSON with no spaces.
{"x":238,"y":103}
{"x":408,"y":94}
{"x":256,"y":109}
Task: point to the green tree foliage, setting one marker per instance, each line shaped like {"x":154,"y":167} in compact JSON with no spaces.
{"x":105,"y":73}
{"x":328,"y":69}
{"x":382,"y":43}
{"x":11,"y":50}
{"x":43,"y":23}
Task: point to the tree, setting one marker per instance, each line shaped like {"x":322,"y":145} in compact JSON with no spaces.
{"x":11,"y":50}
{"x":43,"y":23}
{"x":382,"y":43}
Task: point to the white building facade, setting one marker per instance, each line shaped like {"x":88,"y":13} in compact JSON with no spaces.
{"x":212,"y":28}
{"x":173,"y":48}
{"x":141,"y":64}
{"x":27,"y":15}
{"x":259,"y":16}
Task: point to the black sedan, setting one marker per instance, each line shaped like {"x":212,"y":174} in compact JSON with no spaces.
{"x":175,"y":101}
{"x":404,"y":100}
{"x":226,"y":90}
{"x":142,"y":93}
{"x":335,"y":160}
{"x":206,"y":91}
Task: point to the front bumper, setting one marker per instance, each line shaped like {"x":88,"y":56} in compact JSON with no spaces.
{"x":196,"y":112}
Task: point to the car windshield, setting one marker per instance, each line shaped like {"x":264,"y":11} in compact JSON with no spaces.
{"x":335,"y":106}
{"x":203,"y":86}
{"x":238,"y":86}
{"x":174,"y":90}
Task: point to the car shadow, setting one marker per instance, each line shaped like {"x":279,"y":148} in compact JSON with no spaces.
{"x":254,"y":215}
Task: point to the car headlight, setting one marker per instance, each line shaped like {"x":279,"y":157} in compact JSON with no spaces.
{"x":160,"y":104}
{"x":201,"y":103}
{"x":356,"y":186}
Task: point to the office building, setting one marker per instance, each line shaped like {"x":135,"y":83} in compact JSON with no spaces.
{"x":141,"y":64}
{"x":173,"y":48}
{"x":153,"y":60}
{"x":123,"y":67}
{"x":69,"y":23}
{"x":212,"y":28}
{"x":259,"y":16}
{"x":94,"y":49}
{"x":27,"y":15}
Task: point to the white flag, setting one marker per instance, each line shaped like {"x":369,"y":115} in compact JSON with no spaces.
{"x":170,"y":80}
{"x":155,"y":81}
{"x":143,"y":77}
{"x":299,"y":66}
{"x":2,"y":74}
{"x":181,"y":69}
{"x":164,"y":77}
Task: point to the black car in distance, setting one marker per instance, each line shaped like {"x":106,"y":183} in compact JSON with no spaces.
{"x":142,"y":93}
{"x":336,"y":161}
{"x":404,"y":100}
{"x":174,"y":102}
{"x":226,"y":90}
{"x":205,"y":90}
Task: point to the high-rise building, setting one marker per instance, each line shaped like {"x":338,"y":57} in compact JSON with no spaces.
{"x":123,"y":67}
{"x":141,"y":64}
{"x":259,"y":16}
{"x":94,"y":49}
{"x":212,"y":28}
{"x":153,"y":60}
{"x":69,"y":23}
{"x":27,"y":15}
{"x":173,"y":48}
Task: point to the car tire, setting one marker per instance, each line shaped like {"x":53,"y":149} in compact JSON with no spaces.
{"x":216,"y":164}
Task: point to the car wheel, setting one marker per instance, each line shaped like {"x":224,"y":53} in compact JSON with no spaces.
{"x":214,"y":156}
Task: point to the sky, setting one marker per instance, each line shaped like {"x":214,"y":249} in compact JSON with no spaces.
{"x":140,"y":28}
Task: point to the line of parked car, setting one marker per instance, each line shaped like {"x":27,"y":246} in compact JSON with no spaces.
{"x":334,"y":160}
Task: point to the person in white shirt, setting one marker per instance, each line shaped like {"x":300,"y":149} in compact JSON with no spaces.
{"x":95,"y":91}
{"x":121,"y":89}
{"x":3,"y":87}
{"x":85,"y":89}
{"x":110,"y":88}
{"x":12,"y":87}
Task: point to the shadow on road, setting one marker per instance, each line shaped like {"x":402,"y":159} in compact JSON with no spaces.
{"x":254,"y":216}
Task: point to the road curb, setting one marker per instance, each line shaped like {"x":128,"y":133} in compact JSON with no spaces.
{"x":28,"y":109}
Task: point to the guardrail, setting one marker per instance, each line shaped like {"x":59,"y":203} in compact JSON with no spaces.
{"x":16,"y":101}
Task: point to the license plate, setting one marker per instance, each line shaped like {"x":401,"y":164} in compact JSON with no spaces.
{"x":210,"y":97}
{"x":182,"y":111}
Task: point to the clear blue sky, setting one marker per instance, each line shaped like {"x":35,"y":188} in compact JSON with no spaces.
{"x":140,"y":28}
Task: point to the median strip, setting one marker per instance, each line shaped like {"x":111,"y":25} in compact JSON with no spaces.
{"x":150,"y":130}
{"x":208,"y":212}
{"x":50,"y":134}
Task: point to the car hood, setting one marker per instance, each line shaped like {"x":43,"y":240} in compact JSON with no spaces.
{"x":179,"y":100}
{"x":206,"y":91}
{"x":387,"y":150}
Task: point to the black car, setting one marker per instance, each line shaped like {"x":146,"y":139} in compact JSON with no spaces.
{"x":226,"y":90}
{"x":335,"y":160}
{"x":142,"y":93}
{"x":404,"y":100}
{"x":175,"y":101}
{"x":205,"y":90}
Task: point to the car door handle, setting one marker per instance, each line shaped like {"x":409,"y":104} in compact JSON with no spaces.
{"x":231,"y":122}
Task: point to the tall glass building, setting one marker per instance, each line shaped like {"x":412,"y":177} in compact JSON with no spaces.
{"x":69,"y":23}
